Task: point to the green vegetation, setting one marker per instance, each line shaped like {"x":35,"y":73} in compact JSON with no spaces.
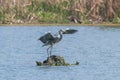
{"x":115,"y":20}
{"x":55,"y":60}
{"x":59,"y":11}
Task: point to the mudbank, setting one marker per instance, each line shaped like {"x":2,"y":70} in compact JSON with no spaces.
{"x":55,"y":60}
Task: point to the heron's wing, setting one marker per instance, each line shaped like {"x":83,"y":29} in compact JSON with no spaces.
{"x":69,"y":31}
{"x":45,"y":38}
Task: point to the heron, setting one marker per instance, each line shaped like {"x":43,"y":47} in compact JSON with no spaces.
{"x":49,"y":40}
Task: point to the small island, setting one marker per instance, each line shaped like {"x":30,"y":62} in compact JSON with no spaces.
{"x":55,"y":60}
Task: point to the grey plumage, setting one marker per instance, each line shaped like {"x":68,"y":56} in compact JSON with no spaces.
{"x":49,"y":39}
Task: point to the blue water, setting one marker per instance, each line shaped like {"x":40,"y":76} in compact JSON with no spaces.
{"x":96,"y":48}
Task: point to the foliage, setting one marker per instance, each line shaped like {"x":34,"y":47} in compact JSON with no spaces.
{"x":2,"y":16}
{"x":59,"y":11}
{"x":115,"y":20}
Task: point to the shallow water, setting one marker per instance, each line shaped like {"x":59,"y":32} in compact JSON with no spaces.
{"x":96,"y":48}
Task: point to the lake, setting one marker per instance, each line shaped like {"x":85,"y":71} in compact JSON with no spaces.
{"x":96,"y":48}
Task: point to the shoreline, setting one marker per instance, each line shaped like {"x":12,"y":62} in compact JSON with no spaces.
{"x":57,"y":24}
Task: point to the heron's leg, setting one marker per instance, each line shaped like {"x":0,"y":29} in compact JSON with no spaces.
{"x":51,"y":49}
{"x":48,"y":50}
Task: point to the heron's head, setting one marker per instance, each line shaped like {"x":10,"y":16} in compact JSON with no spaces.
{"x":67,"y":31}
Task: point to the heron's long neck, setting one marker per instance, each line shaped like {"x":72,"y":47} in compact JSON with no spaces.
{"x":60,"y":33}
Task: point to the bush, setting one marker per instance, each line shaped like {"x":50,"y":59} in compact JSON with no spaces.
{"x":115,"y":20}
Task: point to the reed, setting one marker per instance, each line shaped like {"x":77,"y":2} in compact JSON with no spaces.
{"x":59,"y":11}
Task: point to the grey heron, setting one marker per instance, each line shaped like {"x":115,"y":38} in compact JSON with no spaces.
{"x":49,"y":39}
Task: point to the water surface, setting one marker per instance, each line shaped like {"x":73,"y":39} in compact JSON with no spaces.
{"x":96,"y":48}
